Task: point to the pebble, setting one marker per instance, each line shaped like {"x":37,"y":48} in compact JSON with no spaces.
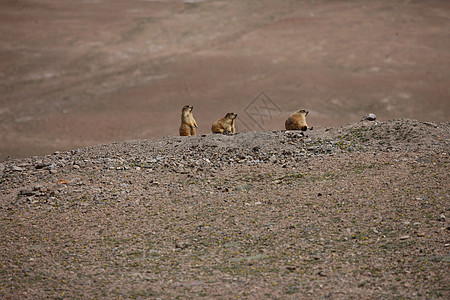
{"x":26,"y":192}
{"x":41,"y":165}
{"x":371,"y":117}
{"x":405,"y":237}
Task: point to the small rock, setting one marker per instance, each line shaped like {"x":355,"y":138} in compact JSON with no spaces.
{"x":76,"y":167}
{"x":291,"y":268}
{"x":39,"y":188}
{"x":405,"y":237}
{"x":41,"y":165}
{"x":17,"y":169}
{"x":441,"y":218}
{"x":181,"y":245}
{"x":369,"y":117}
{"x":430,"y":124}
{"x":26,"y":192}
{"x":420,"y":234}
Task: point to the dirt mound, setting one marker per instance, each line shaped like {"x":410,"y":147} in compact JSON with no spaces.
{"x":355,"y":211}
{"x":279,"y":147}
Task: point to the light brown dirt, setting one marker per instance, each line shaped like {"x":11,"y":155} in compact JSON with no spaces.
{"x":79,"y":73}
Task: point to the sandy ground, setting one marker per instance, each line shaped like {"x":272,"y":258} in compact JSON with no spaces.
{"x":78,"y":73}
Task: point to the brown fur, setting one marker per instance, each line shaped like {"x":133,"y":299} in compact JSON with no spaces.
{"x":297,"y":121}
{"x":225,"y":124}
{"x":188,"y":123}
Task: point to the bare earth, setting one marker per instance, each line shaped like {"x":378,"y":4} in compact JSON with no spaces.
{"x":350,"y":212}
{"x":82,"y":73}
{"x":340,"y":212}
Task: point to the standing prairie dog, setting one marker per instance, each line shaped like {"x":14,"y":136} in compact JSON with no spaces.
{"x":224,"y":124}
{"x":188,"y":123}
{"x":297,"y":121}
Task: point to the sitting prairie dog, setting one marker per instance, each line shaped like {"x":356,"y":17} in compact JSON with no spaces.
{"x":224,"y":124}
{"x":297,"y":121}
{"x":188,"y":123}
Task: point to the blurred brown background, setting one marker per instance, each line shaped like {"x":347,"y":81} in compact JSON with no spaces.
{"x":79,"y":73}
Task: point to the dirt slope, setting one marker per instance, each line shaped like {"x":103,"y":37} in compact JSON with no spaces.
{"x":357,"y":211}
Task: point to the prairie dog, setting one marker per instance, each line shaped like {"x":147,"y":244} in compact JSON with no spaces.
{"x":188,"y":123}
{"x":297,"y":121}
{"x":224,"y":124}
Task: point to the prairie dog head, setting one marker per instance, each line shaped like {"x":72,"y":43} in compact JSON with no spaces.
{"x":187,"y":109}
{"x":231,"y":116}
{"x":302,"y":112}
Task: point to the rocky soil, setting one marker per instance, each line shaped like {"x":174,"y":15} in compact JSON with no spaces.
{"x":357,"y":211}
